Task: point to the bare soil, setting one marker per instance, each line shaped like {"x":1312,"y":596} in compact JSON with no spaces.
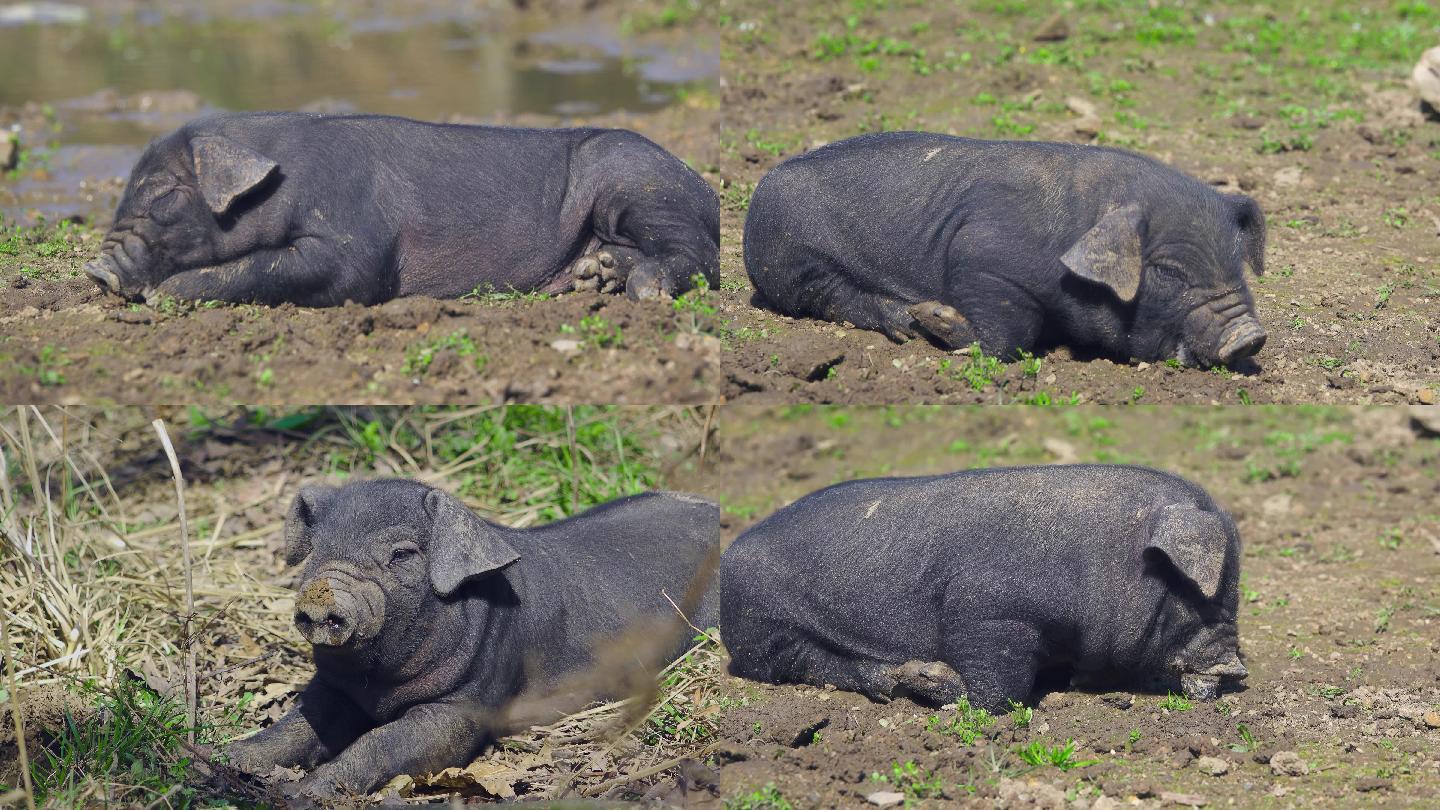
{"x":1340,"y":621}
{"x":1291,"y":107}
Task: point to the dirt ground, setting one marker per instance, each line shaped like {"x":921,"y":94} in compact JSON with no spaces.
{"x":1302,"y":105}
{"x":1340,"y":620}
{"x":62,"y":341}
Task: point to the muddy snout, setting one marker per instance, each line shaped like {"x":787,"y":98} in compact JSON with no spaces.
{"x":1244,"y":337}
{"x":102,"y":269}
{"x":1205,"y":685}
{"x":336,"y":610}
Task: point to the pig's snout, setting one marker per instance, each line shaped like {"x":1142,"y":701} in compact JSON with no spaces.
{"x":102,"y":270}
{"x":1244,"y":337}
{"x":1228,"y":669}
{"x":334,"y":610}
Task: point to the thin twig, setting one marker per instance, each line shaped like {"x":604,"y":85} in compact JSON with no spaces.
{"x":574,"y":460}
{"x":191,"y":690}
{"x":596,"y":790}
{"x":18,"y":716}
{"x":705,"y":432}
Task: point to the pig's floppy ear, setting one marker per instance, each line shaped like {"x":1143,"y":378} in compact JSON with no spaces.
{"x":1194,"y":541}
{"x":462,"y":545}
{"x":300,"y":523}
{"x":1251,"y":221}
{"x":226,"y":170}
{"x":1109,"y":253}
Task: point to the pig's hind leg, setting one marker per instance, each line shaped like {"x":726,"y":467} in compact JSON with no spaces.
{"x":654,"y":216}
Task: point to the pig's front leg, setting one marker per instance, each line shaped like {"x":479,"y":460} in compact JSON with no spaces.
{"x":997,"y":660}
{"x":306,"y":272}
{"x":320,"y":727}
{"x":427,"y":738}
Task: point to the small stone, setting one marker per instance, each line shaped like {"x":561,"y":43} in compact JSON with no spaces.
{"x":1425,"y":420}
{"x":885,"y":798}
{"x":1187,"y":799}
{"x":1432,"y":719}
{"x":1288,"y":176}
{"x":1427,"y":77}
{"x":1369,"y":784}
{"x":1425,"y":396}
{"x":1120,"y":700}
{"x":565,"y":345}
{"x":1054,"y":29}
{"x":9,"y":151}
{"x":1214,"y":766}
{"x":1288,"y":763}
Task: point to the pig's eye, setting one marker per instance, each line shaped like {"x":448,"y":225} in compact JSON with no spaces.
{"x":168,"y":206}
{"x":402,"y":553}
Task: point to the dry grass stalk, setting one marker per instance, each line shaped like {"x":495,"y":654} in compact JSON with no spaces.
{"x":191,"y":690}
{"x":17,"y":713}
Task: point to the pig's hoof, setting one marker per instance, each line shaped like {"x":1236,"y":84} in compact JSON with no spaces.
{"x":597,"y":271}
{"x":944,"y":323}
{"x":1200,"y":687}
{"x":932,"y":682}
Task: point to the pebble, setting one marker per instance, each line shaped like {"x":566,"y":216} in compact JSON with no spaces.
{"x":566,"y":345}
{"x":885,"y":798}
{"x":1427,"y":77}
{"x":1432,"y":719}
{"x":1288,"y":763}
{"x":1214,"y":766}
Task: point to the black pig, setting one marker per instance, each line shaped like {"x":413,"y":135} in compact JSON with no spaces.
{"x":1017,"y":245}
{"x":970,"y":583}
{"x":318,"y":209}
{"x":422,"y":616}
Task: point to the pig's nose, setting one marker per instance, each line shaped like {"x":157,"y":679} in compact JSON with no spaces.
{"x":321,"y":617}
{"x":322,"y":625}
{"x":104,"y":274}
{"x":1244,"y":339}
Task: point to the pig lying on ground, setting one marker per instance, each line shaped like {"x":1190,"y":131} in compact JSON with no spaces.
{"x":423,"y":617}
{"x":317,"y":210}
{"x":1016,"y":245}
{"x":970,"y":583}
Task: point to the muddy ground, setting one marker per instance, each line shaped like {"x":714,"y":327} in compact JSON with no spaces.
{"x":1303,"y":106}
{"x":1340,"y":620}
{"x":62,"y":341}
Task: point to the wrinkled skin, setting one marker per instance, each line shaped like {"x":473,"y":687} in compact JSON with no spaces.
{"x":425,"y":619}
{"x":319,"y":210}
{"x":1019,"y":246}
{"x":971,"y":583}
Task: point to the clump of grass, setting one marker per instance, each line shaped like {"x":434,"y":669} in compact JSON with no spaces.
{"x":968,"y":724}
{"x":420,"y":356}
{"x":1176,"y":703}
{"x":910,"y":779}
{"x":764,"y":798}
{"x":1038,"y":754}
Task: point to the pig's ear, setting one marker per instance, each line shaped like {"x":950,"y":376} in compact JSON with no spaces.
{"x":1251,"y":222}
{"x":462,"y":545}
{"x":1195,"y":542}
{"x":226,"y":170}
{"x":1109,"y":253}
{"x":300,"y":523}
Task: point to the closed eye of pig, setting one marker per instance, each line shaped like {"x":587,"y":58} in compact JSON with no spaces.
{"x":1019,"y":246}
{"x":319,"y":210}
